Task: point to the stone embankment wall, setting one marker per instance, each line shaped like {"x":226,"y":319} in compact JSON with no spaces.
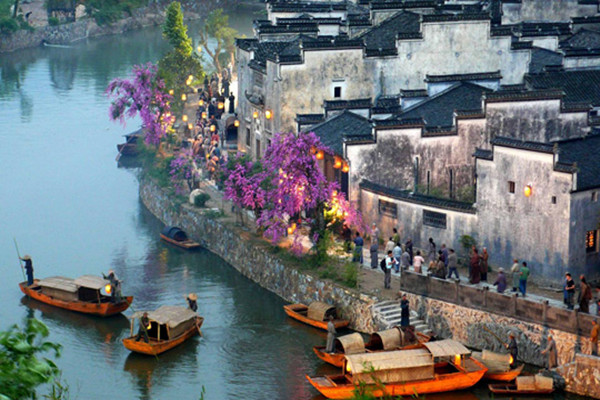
{"x":257,"y":263}
{"x":87,"y":27}
{"x":582,"y":376}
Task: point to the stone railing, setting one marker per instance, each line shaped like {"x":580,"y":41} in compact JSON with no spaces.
{"x":480,"y":298}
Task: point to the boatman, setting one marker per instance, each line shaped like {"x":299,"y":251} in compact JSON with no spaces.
{"x":192,"y":300}
{"x":513,"y":350}
{"x":550,"y":350}
{"x":115,"y":286}
{"x":143,"y":330}
{"x":330,"y":335}
{"x":28,"y":269}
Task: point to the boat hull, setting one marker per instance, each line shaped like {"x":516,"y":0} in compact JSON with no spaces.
{"x":440,"y":383}
{"x":155,"y":347}
{"x":504,"y":376}
{"x":99,"y":309}
{"x":295,"y":311}
{"x":335,"y":359}
{"x":186,"y":244}
{"x":502,"y":388}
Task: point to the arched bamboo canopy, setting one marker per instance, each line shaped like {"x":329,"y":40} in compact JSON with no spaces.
{"x":389,"y":339}
{"x":350,"y":344}
{"x":319,"y":311}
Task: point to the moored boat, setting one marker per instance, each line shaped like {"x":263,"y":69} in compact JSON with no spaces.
{"x":523,"y":385}
{"x":169,"y":326}
{"x":440,"y":366}
{"x":396,"y":338}
{"x":178,"y":237}
{"x":499,"y":366}
{"x":315,"y":314}
{"x":129,"y":148}
{"x":83,"y":294}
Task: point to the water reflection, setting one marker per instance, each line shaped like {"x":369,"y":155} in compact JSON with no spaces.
{"x":62,"y":63}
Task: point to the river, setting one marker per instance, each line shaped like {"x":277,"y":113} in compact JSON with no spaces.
{"x":68,"y":204}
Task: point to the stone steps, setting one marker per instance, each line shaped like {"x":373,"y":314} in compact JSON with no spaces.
{"x":387,"y":314}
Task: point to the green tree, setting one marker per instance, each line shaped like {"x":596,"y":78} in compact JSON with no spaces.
{"x":175,"y":31}
{"x":23,"y":366}
{"x":217,"y":27}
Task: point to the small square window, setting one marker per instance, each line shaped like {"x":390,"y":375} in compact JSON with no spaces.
{"x":594,"y":197}
{"x":553,"y":199}
{"x":511,"y":187}
{"x":337,"y":92}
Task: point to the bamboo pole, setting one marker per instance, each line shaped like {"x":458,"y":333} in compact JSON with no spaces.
{"x":19,"y":255}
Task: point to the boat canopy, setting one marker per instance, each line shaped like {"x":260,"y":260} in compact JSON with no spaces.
{"x":319,"y":311}
{"x":175,"y":233}
{"x":351,"y":344}
{"x":168,"y":315}
{"x":59,"y":283}
{"x":387,"y":340}
{"x":446,"y":348}
{"x":91,"y":282}
{"x":390,"y":366}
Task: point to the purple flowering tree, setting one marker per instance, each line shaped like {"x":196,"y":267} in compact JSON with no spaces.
{"x":244,"y":184}
{"x":145,"y":95}
{"x":182,"y":169}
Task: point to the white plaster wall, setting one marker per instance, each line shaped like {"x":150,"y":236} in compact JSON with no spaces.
{"x":244,"y":84}
{"x":581,"y":62}
{"x":549,"y":43}
{"x":545,"y":10}
{"x":585,"y":215}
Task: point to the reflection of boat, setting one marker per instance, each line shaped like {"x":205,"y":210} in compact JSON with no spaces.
{"x":176,"y":236}
{"x":129,"y":148}
{"x":441,"y":366}
{"x":169,"y":327}
{"x":498,"y":366}
{"x":536,"y":384}
{"x":316,"y":314}
{"x":82,"y":294}
{"x":388,"y":340}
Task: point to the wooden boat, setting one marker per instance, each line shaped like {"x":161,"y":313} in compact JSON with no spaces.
{"x":440,"y":366}
{"x":176,"y":236}
{"x":316,"y":314}
{"x":536,"y":384}
{"x":396,"y":338}
{"x":498,"y":366}
{"x":83,"y":294}
{"x":169,"y":327}
{"x":129,"y":148}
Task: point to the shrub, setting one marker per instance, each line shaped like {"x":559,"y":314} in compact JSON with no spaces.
{"x":201,"y":199}
{"x":350,"y":275}
{"x":467,"y":242}
{"x":8,"y":26}
{"x":53,"y":21}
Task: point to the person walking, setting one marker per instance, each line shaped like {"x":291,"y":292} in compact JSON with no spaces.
{"x":523,"y":276}
{"x":395,"y":236}
{"x":515,"y":271}
{"x":551,"y":361}
{"x":569,"y":290}
{"x":484,"y":264}
{"x":389,"y":246}
{"x":445,"y":254}
{"x":192,"y":300}
{"x":431,"y":253}
{"x":329,"y":347}
{"x":373,"y":253}
{"x":397,"y":253}
{"x":475,"y":275}
{"x":500,"y":281}
{"x":358,"y":248}
{"x":418,"y":262}
{"x":374,"y":233}
{"x":405,"y":311}
{"x":452,"y":264}
{"x":389,"y":264}
{"x":585,"y":295}
{"x":409,"y":247}
{"x":405,"y":260}
{"x":28,"y":268}
{"x":594,"y":337}
{"x":513,"y":350}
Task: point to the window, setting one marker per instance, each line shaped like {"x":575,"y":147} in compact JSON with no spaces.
{"x":247,"y":137}
{"x":594,"y":197}
{"x":511,"y":187}
{"x":553,"y":199}
{"x":435,"y":219}
{"x":337,"y":92}
{"x":258,"y":153}
{"x":257,"y":79}
{"x":591,"y":241}
{"x":388,"y":208}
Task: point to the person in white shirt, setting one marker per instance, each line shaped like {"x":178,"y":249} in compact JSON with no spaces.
{"x":418,"y":262}
{"x":389,"y":264}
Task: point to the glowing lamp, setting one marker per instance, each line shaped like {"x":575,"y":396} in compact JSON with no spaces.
{"x":348,"y":369}
{"x":511,"y":360}
{"x":184,"y":118}
{"x":320,"y":155}
{"x":171,"y":92}
{"x":108,"y":288}
{"x":183,"y":97}
{"x":201,"y":102}
{"x":204,"y":115}
{"x":457,"y":359}
{"x":255,"y":114}
{"x":213,"y":128}
{"x":190,"y":127}
{"x":527,"y":190}
{"x":220,"y":105}
{"x":236,"y":123}
{"x":191,"y":78}
{"x":290,"y":230}
{"x":199,"y":48}
{"x":337,"y":164}
{"x":149,"y":325}
{"x":268,"y":114}
{"x":345,"y":168}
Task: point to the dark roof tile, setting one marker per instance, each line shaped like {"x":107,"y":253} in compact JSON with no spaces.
{"x":383,"y":36}
{"x":345,"y":125}
{"x":582,"y":153}
{"x":347,"y":104}
{"x":478,"y":76}
{"x":578,"y":85}
{"x":541,"y":58}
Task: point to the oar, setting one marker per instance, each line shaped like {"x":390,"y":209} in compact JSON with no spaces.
{"x":20,"y":263}
{"x":496,"y":336}
{"x":198,"y":327}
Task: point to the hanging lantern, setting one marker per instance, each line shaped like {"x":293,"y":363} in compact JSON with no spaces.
{"x":320,"y":155}
{"x":200,"y":102}
{"x":345,"y":167}
{"x":199,"y":48}
{"x":108,"y":288}
{"x":290,"y":230}
{"x":268,"y":114}
{"x":337,"y":164}
{"x":220,"y":105}
{"x":204,"y":115}
{"x":190,"y":127}
{"x":171,"y":92}
{"x":236,"y":123}
{"x":184,"y":118}
{"x":528,"y":190}
{"x":183,"y":97}
{"x":255,"y":114}
{"x":213,"y":128}
{"x":191,"y":78}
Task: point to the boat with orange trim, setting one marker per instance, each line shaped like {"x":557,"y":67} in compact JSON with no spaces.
{"x":169,"y":326}
{"x":397,"y":338}
{"x":315,"y":314}
{"x":86,"y":294}
{"x":499,"y":366}
{"x":178,"y":237}
{"x":441,"y":366}
{"x":524,"y":385}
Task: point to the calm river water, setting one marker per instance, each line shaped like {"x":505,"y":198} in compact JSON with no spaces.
{"x":67,"y":204}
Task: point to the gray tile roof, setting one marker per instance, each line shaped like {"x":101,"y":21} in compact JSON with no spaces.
{"x":583,"y":39}
{"x":578,"y":85}
{"x":343,"y":126}
{"x":540,"y":58}
{"x":583,"y":154}
{"x":438,"y":110}
{"x":476,"y":76}
{"x":383,"y":36}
